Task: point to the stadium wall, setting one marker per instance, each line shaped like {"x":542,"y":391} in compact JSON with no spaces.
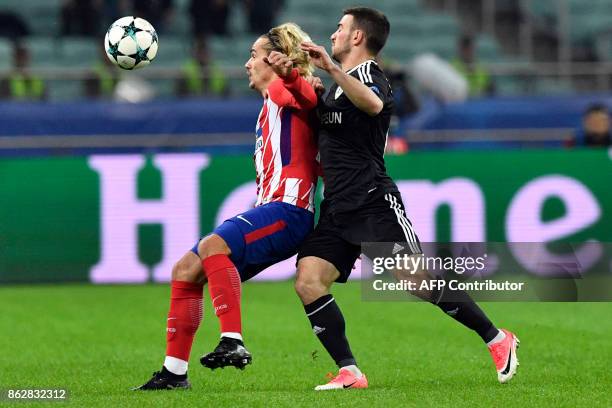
{"x":228,"y":125}
{"x":114,"y":218}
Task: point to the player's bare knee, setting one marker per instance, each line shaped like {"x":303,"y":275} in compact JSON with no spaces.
{"x":303,"y":287}
{"x":180,"y":272}
{"x":311,"y":281}
{"x":187,"y":269}
{"x":211,"y":245}
{"x":309,"y":290}
{"x":303,"y":284}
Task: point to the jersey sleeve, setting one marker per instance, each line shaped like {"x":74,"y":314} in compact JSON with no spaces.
{"x":375,"y":79}
{"x":293,"y":92}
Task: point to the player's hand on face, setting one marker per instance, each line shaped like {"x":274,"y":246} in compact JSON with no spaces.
{"x":316,"y":84}
{"x":318,"y":56}
{"x":280,"y":63}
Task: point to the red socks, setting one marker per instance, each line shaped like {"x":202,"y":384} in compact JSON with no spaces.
{"x":185,"y":312}
{"x":224,"y":287}
{"x":184,"y":318}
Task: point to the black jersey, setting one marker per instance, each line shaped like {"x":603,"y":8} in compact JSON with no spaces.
{"x":352,"y":143}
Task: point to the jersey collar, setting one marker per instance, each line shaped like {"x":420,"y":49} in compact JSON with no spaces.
{"x":359,"y":65}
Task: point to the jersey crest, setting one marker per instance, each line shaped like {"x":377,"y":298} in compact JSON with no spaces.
{"x":338,"y":93}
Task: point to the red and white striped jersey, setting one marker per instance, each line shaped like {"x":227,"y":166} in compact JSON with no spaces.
{"x":285,"y":145}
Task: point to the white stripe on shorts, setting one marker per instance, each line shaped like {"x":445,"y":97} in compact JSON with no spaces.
{"x":415,"y":241}
{"x":404,"y":224}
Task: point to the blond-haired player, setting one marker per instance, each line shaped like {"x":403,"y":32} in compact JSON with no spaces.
{"x":241,"y":247}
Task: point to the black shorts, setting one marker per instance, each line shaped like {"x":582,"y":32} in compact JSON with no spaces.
{"x":338,"y":236}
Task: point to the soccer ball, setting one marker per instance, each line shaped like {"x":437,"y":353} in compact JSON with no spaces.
{"x":131,"y":43}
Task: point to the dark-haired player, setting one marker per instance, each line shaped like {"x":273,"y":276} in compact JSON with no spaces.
{"x":362,"y":203}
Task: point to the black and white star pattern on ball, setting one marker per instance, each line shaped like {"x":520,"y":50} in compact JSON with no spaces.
{"x":131,"y":43}
{"x":131,"y":30}
{"x":141,"y":54}
{"x":113,"y":50}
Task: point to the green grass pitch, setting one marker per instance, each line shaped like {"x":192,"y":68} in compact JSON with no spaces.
{"x":98,"y":341}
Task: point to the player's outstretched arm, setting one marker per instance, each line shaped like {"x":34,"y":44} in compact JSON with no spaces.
{"x":317,"y":84}
{"x":359,"y":94}
{"x":295,"y":91}
{"x":280,"y":63}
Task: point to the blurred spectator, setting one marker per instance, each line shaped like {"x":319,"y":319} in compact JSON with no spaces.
{"x":20,"y":84}
{"x":405,"y":104}
{"x":479,"y":81}
{"x":262,"y":14}
{"x":134,"y":89}
{"x":438,"y":77}
{"x":209,"y":17}
{"x":200,"y":75}
{"x":396,"y":146}
{"x":12,"y":25}
{"x":104,"y":80}
{"x":595,"y":130}
{"x":81,"y":17}
{"x":403,"y":98}
{"x":157,"y":12}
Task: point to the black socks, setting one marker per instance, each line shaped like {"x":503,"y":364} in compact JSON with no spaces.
{"x":460,"y":306}
{"x":328,"y":324}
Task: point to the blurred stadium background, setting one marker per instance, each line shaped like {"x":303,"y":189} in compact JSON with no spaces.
{"x":531,"y":68}
{"x":108,"y":176}
{"x":505,"y":93}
